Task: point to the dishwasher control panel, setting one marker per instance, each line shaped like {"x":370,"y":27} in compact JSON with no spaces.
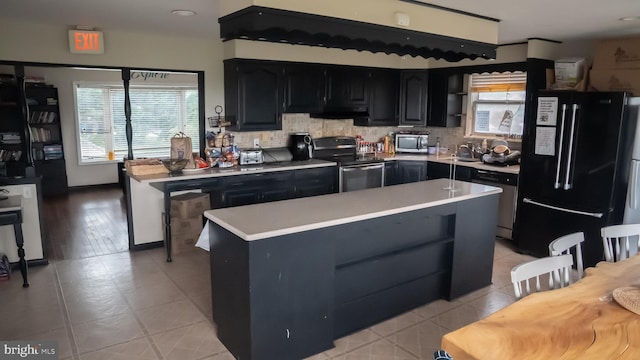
{"x":494,"y":177}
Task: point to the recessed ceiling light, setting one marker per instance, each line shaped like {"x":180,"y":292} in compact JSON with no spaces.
{"x":183,"y":12}
{"x":629,"y":18}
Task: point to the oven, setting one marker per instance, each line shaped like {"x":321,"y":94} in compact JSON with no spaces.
{"x":355,"y":172}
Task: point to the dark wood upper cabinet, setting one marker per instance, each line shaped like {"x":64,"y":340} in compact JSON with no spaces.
{"x":445,"y":98}
{"x":384,"y":88}
{"x":303,"y":88}
{"x":346,"y":87}
{"x":253,"y":94}
{"x":413,"y":98}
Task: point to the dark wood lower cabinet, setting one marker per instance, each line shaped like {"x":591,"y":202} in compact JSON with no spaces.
{"x":250,"y":189}
{"x":441,"y":171}
{"x":411,"y":171}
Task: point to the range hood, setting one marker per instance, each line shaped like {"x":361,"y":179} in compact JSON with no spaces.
{"x":338,"y":113}
{"x":284,"y":26}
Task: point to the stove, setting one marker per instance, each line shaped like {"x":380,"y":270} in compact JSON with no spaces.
{"x":357,"y":172}
{"x":341,"y":149}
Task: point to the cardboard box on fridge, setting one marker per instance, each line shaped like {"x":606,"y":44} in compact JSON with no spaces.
{"x":184,"y":234}
{"x":615,"y":80}
{"x":619,"y":53}
{"x":569,"y":72}
{"x":189,"y":205}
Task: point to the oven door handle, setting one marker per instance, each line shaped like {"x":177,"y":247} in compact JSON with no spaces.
{"x":362,"y":167}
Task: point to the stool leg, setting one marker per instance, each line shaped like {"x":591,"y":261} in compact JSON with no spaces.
{"x":17,"y":228}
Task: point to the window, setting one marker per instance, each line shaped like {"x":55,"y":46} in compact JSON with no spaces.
{"x":157,"y":113}
{"x":497,"y":104}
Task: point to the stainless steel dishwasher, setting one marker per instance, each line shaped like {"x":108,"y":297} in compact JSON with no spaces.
{"x":507,"y":203}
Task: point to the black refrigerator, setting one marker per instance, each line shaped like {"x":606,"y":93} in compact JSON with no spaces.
{"x":576,"y":155}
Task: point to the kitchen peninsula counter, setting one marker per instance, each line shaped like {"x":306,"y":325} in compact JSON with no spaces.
{"x":149,"y":196}
{"x":289,"y":277}
{"x":234,"y":170}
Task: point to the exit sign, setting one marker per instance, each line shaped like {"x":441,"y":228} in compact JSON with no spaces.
{"x":86,"y":42}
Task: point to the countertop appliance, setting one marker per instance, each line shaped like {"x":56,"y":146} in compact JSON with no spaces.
{"x":507,"y":203}
{"x":574,"y":170}
{"x":251,"y":156}
{"x":357,"y":172}
{"x":632,"y":204}
{"x":412,"y":142}
{"x":301,"y":146}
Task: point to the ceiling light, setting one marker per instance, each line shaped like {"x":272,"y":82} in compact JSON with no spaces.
{"x":183,"y":12}
{"x":629,"y":18}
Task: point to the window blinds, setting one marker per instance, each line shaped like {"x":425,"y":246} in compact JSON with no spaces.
{"x":498,"y":82}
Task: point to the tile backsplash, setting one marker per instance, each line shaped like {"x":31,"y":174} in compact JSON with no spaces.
{"x":323,"y":127}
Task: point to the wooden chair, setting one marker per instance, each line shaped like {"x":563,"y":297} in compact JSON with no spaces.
{"x":557,"y":267}
{"x":564,"y":245}
{"x":620,"y":241}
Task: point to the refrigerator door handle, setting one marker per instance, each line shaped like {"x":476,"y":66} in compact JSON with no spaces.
{"x":633,"y":191}
{"x":564,"y":113}
{"x":595,"y":215}
{"x":567,"y":184}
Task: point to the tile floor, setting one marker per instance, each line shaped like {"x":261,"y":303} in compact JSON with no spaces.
{"x":137,"y":306}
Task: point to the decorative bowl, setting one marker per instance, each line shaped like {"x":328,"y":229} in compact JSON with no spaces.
{"x":175,"y":165}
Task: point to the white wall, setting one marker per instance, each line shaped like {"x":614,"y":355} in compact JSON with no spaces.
{"x":33,"y":42}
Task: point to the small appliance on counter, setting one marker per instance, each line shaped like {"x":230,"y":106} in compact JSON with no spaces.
{"x":301,"y":146}
{"x":412,"y":142}
{"x":251,"y":156}
{"x":276,"y":154}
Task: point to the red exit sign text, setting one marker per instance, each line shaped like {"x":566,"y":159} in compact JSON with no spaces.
{"x":86,"y":42}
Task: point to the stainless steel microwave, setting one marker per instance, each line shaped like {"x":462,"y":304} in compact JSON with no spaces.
{"x":412,"y":143}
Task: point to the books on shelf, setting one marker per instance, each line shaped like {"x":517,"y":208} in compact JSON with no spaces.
{"x":52,"y":152}
{"x":10,"y":138}
{"x":43,"y":117}
{"x":39,"y":134}
{"x":10,"y":155}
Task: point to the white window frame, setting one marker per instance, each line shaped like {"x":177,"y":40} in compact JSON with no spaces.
{"x":496,"y":80}
{"x":109,"y":141}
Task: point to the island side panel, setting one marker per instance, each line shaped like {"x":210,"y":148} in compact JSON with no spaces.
{"x":288,"y":311}
{"x":230,"y":291}
{"x":475,"y":232}
{"x":392,"y":264}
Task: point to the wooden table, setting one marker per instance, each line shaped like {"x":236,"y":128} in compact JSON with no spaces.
{"x":11,"y":214}
{"x":581,"y":321}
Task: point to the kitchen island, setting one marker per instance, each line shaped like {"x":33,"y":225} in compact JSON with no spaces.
{"x":291,"y":276}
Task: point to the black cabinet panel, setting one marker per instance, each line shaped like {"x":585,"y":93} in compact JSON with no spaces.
{"x":442,"y":170}
{"x":253,"y":94}
{"x":303,"y":88}
{"x":390,"y":170}
{"x":384,"y":88}
{"x":445,"y":98}
{"x":346,"y":87}
{"x":411,"y":171}
{"x":413,"y":98}
{"x":379,"y":274}
{"x":312,"y":182}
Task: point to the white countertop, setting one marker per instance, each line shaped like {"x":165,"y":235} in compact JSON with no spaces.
{"x":260,"y":221}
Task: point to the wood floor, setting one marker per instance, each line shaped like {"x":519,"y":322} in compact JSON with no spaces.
{"x":86,"y":223}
